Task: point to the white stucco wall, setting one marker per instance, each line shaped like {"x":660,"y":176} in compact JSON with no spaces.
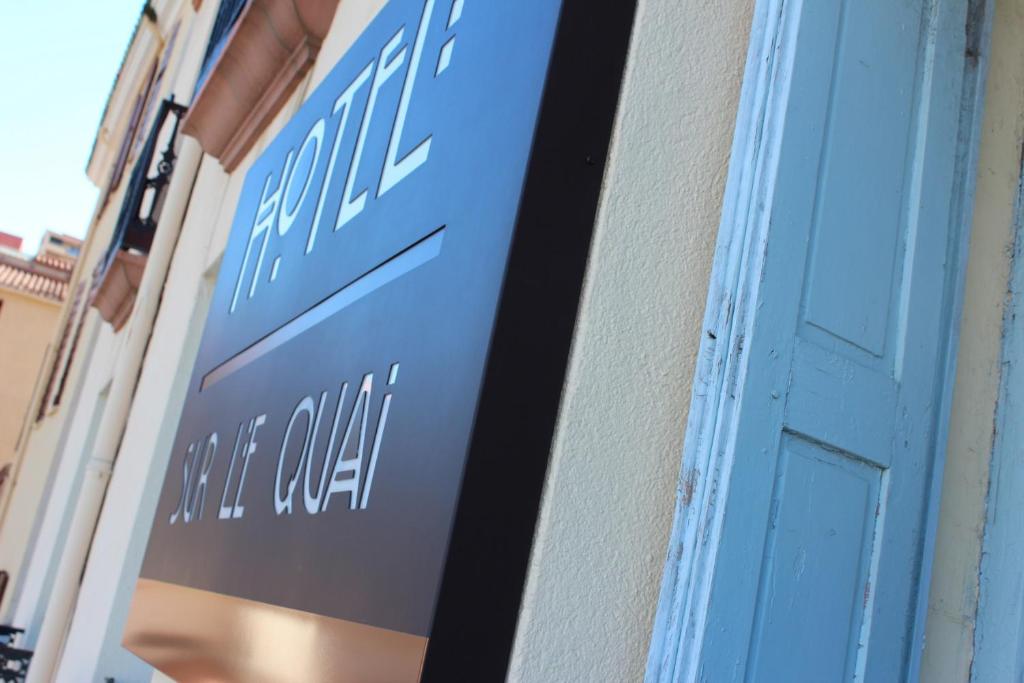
{"x":115,"y":549}
{"x":953,"y":599}
{"x":132,"y":493}
{"x":601,"y":540}
{"x":350,"y":20}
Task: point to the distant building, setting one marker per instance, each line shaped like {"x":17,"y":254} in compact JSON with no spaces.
{"x":10,"y":242}
{"x":32,"y":290}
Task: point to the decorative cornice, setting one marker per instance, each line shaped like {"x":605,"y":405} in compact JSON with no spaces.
{"x":270,"y":49}
{"x":115,"y":294}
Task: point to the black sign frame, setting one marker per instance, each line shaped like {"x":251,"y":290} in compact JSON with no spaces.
{"x":484,"y":580}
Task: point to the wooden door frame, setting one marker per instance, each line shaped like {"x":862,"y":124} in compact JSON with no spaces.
{"x":718,"y":385}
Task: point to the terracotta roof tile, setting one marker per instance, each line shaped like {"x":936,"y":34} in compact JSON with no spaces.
{"x":25,"y":280}
{"x":64,"y":263}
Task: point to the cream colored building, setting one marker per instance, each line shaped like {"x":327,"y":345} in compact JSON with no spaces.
{"x":598,"y":604}
{"x":32,"y":290}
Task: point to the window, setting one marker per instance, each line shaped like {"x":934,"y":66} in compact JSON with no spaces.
{"x":71,"y":353}
{"x":76,"y":304}
{"x":153,"y":90}
{"x":227,"y":16}
{"x":114,"y":295}
{"x":129,"y":136}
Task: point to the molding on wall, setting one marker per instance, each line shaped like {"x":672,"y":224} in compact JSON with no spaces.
{"x":998,"y":649}
{"x":707,"y":458}
{"x":116,"y":291}
{"x":978,"y":31}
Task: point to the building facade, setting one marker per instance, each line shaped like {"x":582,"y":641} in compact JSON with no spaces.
{"x":723,"y":386}
{"x":33,"y":289}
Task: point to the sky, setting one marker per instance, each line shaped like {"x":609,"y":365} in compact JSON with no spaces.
{"x":58,"y":59}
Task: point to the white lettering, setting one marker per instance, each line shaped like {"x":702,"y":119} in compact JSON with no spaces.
{"x":185,"y":481}
{"x":343,"y":104}
{"x":396,"y":171}
{"x":235,"y":510}
{"x":378,"y":436}
{"x":224,"y":512}
{"x":262,"y":224}
{"x":386,"y":68}
{"x":195,"y":511}
{"x":239,"y":509}
{"x":350,"y":485}
{"x":306,"y":406}
{"x":312,"y":500}
{"x":314,"y":137}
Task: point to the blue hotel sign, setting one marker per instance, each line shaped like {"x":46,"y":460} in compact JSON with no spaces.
{"x":356,"y":475}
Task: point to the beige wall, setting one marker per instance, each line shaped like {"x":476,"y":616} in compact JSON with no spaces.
{"x":609,"y":498}
{"x":953,"y":600}
{"x":27,"y":325}
{"x":42,"y":443}
{"x":49,"y":440}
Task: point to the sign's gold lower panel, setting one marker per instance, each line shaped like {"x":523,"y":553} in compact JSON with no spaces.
{"x":197,"y":636}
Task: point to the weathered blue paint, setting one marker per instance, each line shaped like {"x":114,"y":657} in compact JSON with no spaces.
{"x":815,"y":443}
{"x":999,"y":634}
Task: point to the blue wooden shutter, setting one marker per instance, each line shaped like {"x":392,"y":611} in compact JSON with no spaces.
{"x":820,"y":539}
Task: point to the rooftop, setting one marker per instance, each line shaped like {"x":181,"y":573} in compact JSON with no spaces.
{"x":46,"y":274}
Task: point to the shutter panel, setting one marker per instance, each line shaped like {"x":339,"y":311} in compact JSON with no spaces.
{"x":822,"y":544}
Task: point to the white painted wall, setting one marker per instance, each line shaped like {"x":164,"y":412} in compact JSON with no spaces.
{"x":102,"y":590}
{"x":116,"y":552}
{"x":350,"y":20}
{"x":607,"y":509}
{"x":953,"y":598}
